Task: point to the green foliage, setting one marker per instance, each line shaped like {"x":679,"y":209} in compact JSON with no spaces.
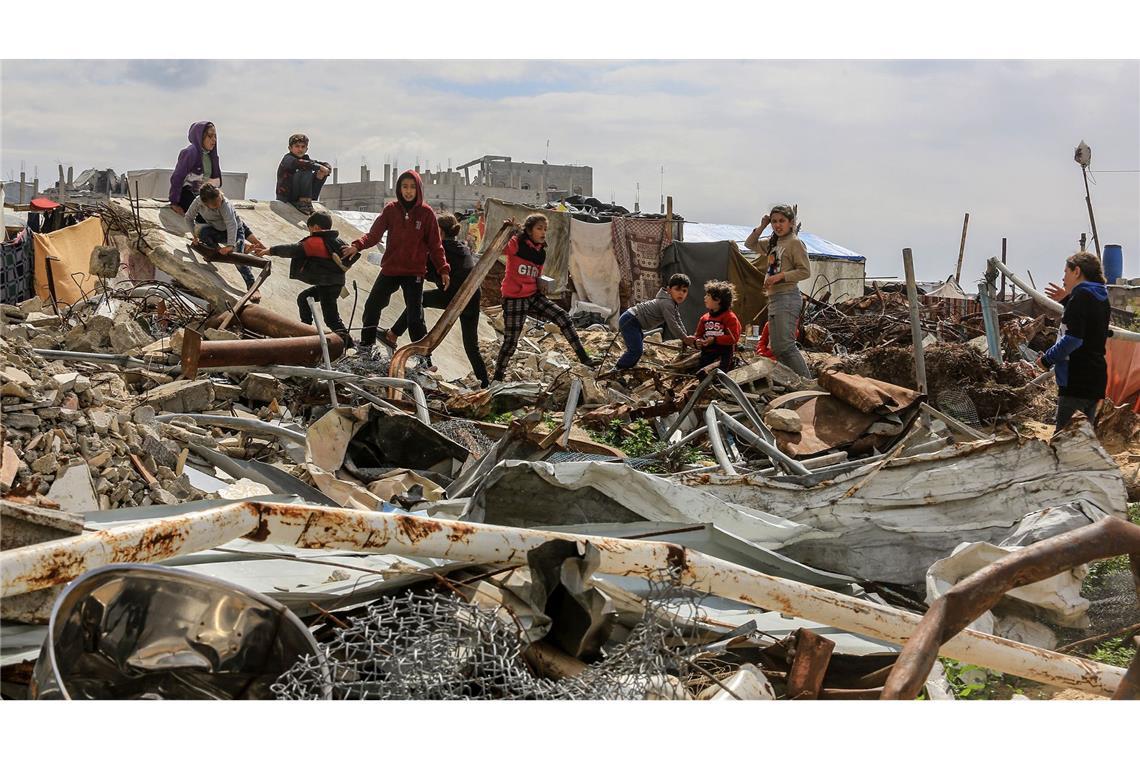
{"x":500,"y":419}
{"x":969,"y":681}
{"x":639,"y":439}
{"x":1114,"y":652}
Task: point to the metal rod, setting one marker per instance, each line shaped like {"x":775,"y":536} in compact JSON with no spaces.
{"x":915,"y":323}
{"x":121,"y":360}
{"x":778,"y":457}
{"x":690,"y":404}
{"x":51,"y":563}
{"x":324,"y":349}
{"x":371,"y":397}
{"x":1088,"y":202}
{"x":1003,"y":275}
{"x":746,"y":404}
{"x":239,"y":423}
{"x":990,"y":319}
{"x":713,"y":430}
{"x":568,"y":413}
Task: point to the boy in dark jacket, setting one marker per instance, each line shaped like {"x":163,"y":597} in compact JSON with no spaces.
{"x":1078,"y":356}
{"x":413,"y":236}
{"x":461,"y":260}
{"x":719,"y":329}
{"x":300,"y":178}
{"x":321,"y":261}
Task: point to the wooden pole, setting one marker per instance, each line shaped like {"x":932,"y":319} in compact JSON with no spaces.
{"x":1003,"y":273}
{"x":962,"y":250}
{"x":1088,"y":202}
{"x":915,"y":325}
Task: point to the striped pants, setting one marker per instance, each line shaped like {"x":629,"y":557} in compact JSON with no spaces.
{"x":515,"y":312}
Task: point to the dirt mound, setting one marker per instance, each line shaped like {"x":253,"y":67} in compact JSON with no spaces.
{"x":994,"y":388}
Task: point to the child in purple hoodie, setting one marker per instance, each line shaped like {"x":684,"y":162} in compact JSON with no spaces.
{"x":197,"y":165}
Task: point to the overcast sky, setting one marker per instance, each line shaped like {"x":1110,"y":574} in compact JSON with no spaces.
{"x":879,"y":155}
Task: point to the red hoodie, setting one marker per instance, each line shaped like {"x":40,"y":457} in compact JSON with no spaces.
{"x":412,"y":236}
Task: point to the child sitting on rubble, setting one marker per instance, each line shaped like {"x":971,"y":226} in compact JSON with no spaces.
{"x":718,"y":329}
{"x":526,"y":256}
{"x":300,"y":178}
{"x":663,"y":309}
{"x":215,"y":224}
{"x":462,"y":262}
{"x":197,"y":165}
{"x":319,"y":260}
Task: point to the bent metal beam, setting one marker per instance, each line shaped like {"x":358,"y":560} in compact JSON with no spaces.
{"x":48,"y":564}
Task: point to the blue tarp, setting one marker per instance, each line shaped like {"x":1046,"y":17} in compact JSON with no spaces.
{"x":817,"y":247}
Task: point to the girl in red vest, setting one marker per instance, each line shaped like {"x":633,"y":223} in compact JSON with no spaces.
{"x":526,"y":255}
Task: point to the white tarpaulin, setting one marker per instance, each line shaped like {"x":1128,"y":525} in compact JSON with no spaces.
{"x":593,"y":266}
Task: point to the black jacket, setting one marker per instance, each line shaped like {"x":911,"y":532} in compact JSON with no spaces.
{"x":461,"y":261}
{"x":312,"y":258}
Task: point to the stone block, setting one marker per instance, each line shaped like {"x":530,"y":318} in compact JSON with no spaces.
{"x":784,"y":420}
{"x":258,"y":386}
{"x":181,"y":396}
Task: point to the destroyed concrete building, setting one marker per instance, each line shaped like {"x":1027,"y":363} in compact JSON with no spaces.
{"x":341,"y":525}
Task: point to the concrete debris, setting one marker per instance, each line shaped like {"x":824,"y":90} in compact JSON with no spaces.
{"x":784,"y":420}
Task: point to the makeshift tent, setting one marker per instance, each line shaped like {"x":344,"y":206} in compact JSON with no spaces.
{"x":557,"y":236}
{"x":638,"y":243}
{"x":714,"y":261}
{"x":835,"y":269}
{"x":593,"y":266}
{"x":70,"y":249}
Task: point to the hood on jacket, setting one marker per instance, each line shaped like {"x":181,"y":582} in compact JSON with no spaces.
{"x":1097,"y":290}
{"x":419,"y":201}
{"x":194,"y":135}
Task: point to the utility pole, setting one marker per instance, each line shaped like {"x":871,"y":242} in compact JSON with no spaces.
{"x":1083,"y":156}
{"x":662,"y":189}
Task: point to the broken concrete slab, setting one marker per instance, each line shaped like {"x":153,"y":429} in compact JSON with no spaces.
{"x":128,"y":335}
{"x":181,"y":396}
{"x":258,"y":386}
{"x":74,"y":490}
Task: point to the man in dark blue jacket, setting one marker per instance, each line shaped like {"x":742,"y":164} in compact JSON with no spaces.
{"x":1078,"y":355}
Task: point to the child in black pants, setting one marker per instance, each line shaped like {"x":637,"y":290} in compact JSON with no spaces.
{"x":462,"y":262}
{"x":317,"y":260}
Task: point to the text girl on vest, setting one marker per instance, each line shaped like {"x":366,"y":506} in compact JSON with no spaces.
{"x":526,"y":255}
{"x":1078,"y":356}
{"x":786,"y":266}
{"x":413,"y":236}
{"x":462,"y":261}
{"x":718,"y":330}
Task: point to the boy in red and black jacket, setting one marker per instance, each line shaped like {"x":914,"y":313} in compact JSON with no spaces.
{"x":413,"y":236}
{"x":719,"y":329}
{"x":321,"y":261}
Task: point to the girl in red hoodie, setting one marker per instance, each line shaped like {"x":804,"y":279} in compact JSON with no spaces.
{"x":719,"y":329}
{"x":526,"y":255}
{"x":413,"y":235}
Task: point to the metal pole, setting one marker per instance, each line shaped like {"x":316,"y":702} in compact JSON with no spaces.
{"x":915,"y":325}
{"x":1088,"y":202}
{"x":717,"y":444}
{"x":324,"y":348}
{"x":1003,"y":273}
{"x":568,"y":413}
{"x":962,"y":250}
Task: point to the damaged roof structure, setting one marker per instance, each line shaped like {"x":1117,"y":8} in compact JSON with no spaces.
{"x":203,"y":498}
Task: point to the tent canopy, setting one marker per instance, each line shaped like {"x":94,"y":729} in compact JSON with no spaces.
{"x":817,"y":247}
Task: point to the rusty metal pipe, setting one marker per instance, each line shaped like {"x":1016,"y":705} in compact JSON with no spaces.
{"x":254,"y":352}
{"x":979,"y":592}
{"x":44,"y":565}
{"x":264,"y":321}
{"x":439,"y":330}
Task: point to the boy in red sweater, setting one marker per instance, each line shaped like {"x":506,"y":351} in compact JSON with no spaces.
{"x":718,"y":330}
{"x":413,"y":235}
{"x":526,"y":255}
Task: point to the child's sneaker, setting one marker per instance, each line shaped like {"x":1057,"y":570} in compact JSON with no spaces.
{"x":388,"y":338}
{"x":304,"y":205}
